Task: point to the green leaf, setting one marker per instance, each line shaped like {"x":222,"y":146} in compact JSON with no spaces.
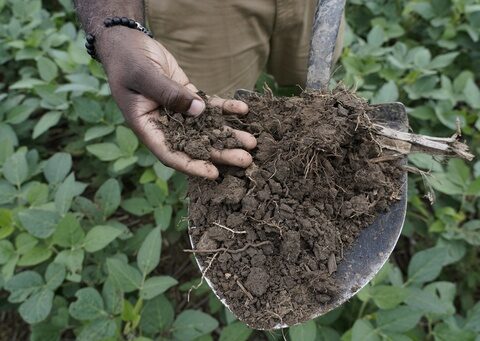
{"x":97,"y":131}
{"x":38,"y":194}
{"x":54,"y":276}
{"x":306,"y":331}
{"x":148,"y":176}
{"x":99,"y":237}
{"x":155,"y":195}
{"x":473,"y":319}
{"x":387,"y":297}
{"x":125,"y":276}
{"x":7,"y":251}
{"x":39,"y":223}
{"x":191,"y":324}
{"x":238,"y":331}
{"x":37,"y":307}
{"x":459,"y":172}
{"x":23,"y":285}
{"x":27,"y":83}
{"x":149,"y":254}
{"x":45,"y":122}
{"x":387,"y":93}
{"x":363,"y":331}
{"x":474,"y":188}
{"x":123,"y":163}
{"x":47,"y":69}
{"x":472,"y":94}
{"x":400,"y":319}
{"x":7,"y":193}
{"x":162,"y":171}
{"x":325,"y":333}
{"x":157,"y":315}
{"x":6,"y":148}
{"x":443,"y":183}
{"x":108,"y":197}
{"x":105,"y":151}
{"x":129,"y":313}
{"x":88,"y":110}
{"x":163,"y":216}
{"x":45,"y":331}
{"x":113,"y":298}
{"x":57,"y":167}
{"x":6,"y":231}
{"x":425,"y":301}
{"x":73,"y":260}
{"x":155,"y":286}
{"x":88,"y":306}
{"x":138,"y":206}
{"x":456,"y":249}
{"x":35,"y":256}
{"x":81,"y":88}
{"x":99,"y":330}
{"x":443,"y":60}
{"x":376,"y":36}
{"x":446,"y":332}
{"x":67,"y":190}
{"x":126,"y":140}
{"x":422,"y":57}
{"x":424,"y":113}
{"x":426,"y":265}
{"x":69,"y":232}
{"x":425,"y":162}
{"x":15,"y":168}
{"x":24,"y":243}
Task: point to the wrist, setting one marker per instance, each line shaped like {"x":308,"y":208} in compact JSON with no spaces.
{"x":115,"y":31}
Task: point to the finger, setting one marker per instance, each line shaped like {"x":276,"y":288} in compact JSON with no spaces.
{"x":191,"y":87}
{"x":247,"y":140}
{"x":231,"y":157}
{"x":183,"y":163}
{"x":169,"y":94}
{"x":229,"y":106}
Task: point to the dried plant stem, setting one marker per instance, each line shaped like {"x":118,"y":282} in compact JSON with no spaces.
{"x":245,"y":291}
{"x":229,"y":229}
{"x":203,"y":277}
{"x":223,"y":249}
{"x":407,"y":143}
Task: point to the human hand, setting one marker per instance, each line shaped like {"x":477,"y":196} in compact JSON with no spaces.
{"x":144,"y":79}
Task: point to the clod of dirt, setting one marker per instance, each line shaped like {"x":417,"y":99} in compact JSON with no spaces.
{"x":312,"y":188}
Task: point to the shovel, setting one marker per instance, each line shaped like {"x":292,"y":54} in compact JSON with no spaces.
{"x":376,"y":242}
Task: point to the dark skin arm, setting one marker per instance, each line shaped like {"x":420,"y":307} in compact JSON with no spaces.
{"x":145,"y":78}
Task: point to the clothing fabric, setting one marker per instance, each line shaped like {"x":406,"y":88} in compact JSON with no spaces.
{"x":224,"y":45}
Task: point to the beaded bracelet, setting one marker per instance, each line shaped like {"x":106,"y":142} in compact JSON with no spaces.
{"x":115,"y":21}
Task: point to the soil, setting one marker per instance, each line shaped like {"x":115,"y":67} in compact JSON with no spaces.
{"x":12,"y":327}
{"x":315,"y":183}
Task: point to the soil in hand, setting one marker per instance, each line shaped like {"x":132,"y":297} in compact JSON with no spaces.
{"x":272,"y":235}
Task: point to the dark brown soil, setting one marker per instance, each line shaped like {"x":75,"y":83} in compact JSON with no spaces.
{"x":12,"y":327}
{"x":313,"y":186}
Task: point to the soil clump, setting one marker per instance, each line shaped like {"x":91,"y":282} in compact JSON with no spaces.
{"x":316,"y":181}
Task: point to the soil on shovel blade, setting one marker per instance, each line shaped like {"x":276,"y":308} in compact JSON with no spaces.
{"x":315,"y":182}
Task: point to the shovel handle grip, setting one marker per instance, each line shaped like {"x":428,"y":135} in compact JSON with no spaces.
{"x":328,"y":16}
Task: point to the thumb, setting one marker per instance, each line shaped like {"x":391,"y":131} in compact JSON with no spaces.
{"x":171,"y":95}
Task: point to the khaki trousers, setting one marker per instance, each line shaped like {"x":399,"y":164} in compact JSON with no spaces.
{"x":224,"y":45}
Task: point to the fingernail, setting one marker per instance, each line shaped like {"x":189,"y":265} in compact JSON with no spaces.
{"x":196,"y":108}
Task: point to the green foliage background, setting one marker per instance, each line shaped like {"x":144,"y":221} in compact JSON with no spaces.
{"x":92,"y":228}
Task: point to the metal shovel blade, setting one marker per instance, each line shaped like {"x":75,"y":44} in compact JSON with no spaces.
{"x":376,"y":242}
{"x":367,"y":255}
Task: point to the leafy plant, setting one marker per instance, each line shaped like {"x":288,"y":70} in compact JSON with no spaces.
{"x":92,"y":225}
